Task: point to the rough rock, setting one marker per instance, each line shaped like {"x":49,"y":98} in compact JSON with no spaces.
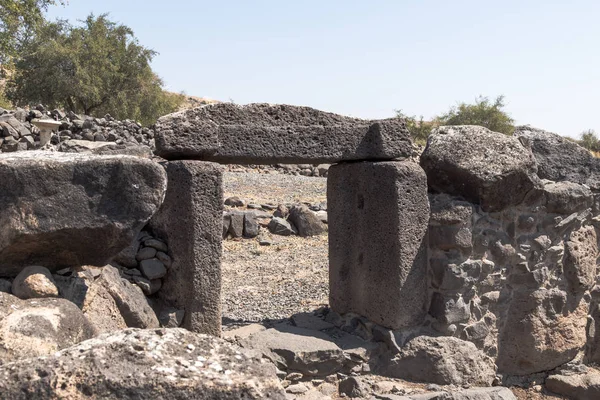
{"x":236,"y":227}
{"x":581,"y":255}
{"x":34,"y":282}
{"x":543,"y":329}
{"x":305,"y":221}
{"x":490,"y":393}
{"x":280,"y":226}
{"x":5,"y":286}
{"x":251,"y":226}
{"x":129,"y":298}
{"x":171,"y":317}
{"x":271,"y":134}
{"x":62,"y":210}
{"x":153,"y":268}
{"x":579,"y":386}
{"x":567,"y":197}
{"x":485,"y":167}
{"x":440,"y":360}
{"x":190,"y":220}
{"x":167,"y":364}
{"x":101,"y":309}
{"x":39,"y":327}
{"x":378,"y":243}
{"x":296,"y":349}
{"x":560,"y":159}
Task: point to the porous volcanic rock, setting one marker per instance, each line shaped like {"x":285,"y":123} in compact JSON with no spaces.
{"x":488,"y":168}
{"x":271,"y":134}
{"x":60,"y":210}
{"x":39,"y":327}
{"x":166,"y":364}
{"x":34,"y":282}
{"x":560,"y":159}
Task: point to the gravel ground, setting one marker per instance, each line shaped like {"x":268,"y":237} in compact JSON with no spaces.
{"x":273,"y":282}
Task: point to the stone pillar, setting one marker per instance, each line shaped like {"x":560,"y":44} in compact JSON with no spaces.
{"x":378,"y":216}
{"x":190,"y":221}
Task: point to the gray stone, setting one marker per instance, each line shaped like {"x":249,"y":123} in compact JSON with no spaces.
{"x":489,"y":393}
{"x":305,"y":221}
{"x":149,"y":287}
{"x":39,"y":327}
{"x":168,"y":364}
{"x":34,"y":282}
{"x":560,"y":159}
{"x":377,"y":242}
{"x":581,"y":254}
{"x":251,"y":226}
{"x":485,"y":167}
{"x":440,"y":360}
{"x":5,"y":286}
{"x":542,"y":330}
{"x":171,"y":317}
{"x":271,"y":134}
{"x":567,"y":197}
{"x":127,"y":257}
{"x":236,"y":227}
{"x":145,"y":253}
{"x":234,"y":202}
{"x":153,"y":268}
{"x":226,"y":223}
{"x":281,"y":211}
{"x":354,"y":387}
{"x":449,"y":309}
{"x":292,"y":349}
{"x":164,"y":258}
{"x":280,"y":226}
{"x":104,"y":148}
{"x":157,"y":244}
{"x":573,"y":385}
{"x":81,"y":209}
{"x":129,"y":298}
{"x":190,"y":220}
{"x":74,"y":288}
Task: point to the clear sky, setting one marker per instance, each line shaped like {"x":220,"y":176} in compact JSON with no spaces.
{"x":368,"y":58}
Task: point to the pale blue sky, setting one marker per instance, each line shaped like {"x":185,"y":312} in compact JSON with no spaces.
{"x":368,"y":58}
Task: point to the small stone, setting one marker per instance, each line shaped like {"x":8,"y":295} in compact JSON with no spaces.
{"x":171,"y":317}
{"x":5,"y":286}
{"x":164,"y":258}
{"x":153,"y":268}
{"x":149,"y":287}
{"x":280,"y":226}
{"x":298,"y":388}
{"x":251,"y":227}
{"x":146,"y":253}
{"x":34,"y":282}
{"x":254,"y":206}
{"x":132,"y":272}
{"x":157,"y":244}
{"x":236,"y":228}
{"x":234,"y":202}
{"x":281,"y":211}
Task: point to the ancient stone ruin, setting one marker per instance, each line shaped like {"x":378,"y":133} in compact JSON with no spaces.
{"x":474,"y":266}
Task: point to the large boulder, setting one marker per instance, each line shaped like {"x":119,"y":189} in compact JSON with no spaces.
{"x":560,"y":159}
{"x":272,"y":133}
{"x":39,"y":327}
{"x":60,"y":210}
{"x":166,"y":364}
{"x":441,"y":360}
{"x":542,"y":330}
{"x":485,"y":167}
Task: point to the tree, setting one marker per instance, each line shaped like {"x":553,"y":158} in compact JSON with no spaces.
{"x":418,"y":128}
{"x":483,"y":113}
{"x":589,"y":140}
{"x":96,"y":68}
{"x":19,"y":19}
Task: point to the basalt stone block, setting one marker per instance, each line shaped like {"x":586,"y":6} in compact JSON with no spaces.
{"x":191,"y":222}
{"x":61,"y":210}
{"x":377,"y":241}
{"x":271,"y":134}
{"x":485,"y":167}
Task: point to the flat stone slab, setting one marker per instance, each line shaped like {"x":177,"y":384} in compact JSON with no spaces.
{"x":270,"y":134}
{"x":377,"y":241}
{"x":60,"y":210}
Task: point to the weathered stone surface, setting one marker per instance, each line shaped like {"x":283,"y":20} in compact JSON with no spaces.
{"x":490,"y":393}
{"x":280,"y":226}
{"x":377,"y":245}
{"x":105,"y":148}
{"x":305,"y":221}
{"x":168,"y":364}
{"x":543,"y":329}
{"x":576,"y":385}
{"x":291,"y":348}
{"x":34,"y":282}
{"x":61,"y":210}
{"x":101,"y":309}
{"x":271,"y":134}
{"x":129,"y":298}
{"x":171,"y":317}
{"x":39,"y":327}
{"x":153,"y":268}
{"x":236,"y":227}
{"x":251,"y":226}
{"x":567,"y":197}
{"x":441,"y":360}
{"x":485,"y":167}
{"x":560,"y":159}
{"x":190,"y":220}
{"x":581,"y":254}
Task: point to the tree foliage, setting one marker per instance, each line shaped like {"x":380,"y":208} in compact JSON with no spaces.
{"x":96,"y":68}
{"x":483,"y":113}
{"x":19,"y":19}
{"x":418,"y":128}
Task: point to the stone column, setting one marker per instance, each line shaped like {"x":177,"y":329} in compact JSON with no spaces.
{"x":378,"y":216}
{"x":190,"y":221}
